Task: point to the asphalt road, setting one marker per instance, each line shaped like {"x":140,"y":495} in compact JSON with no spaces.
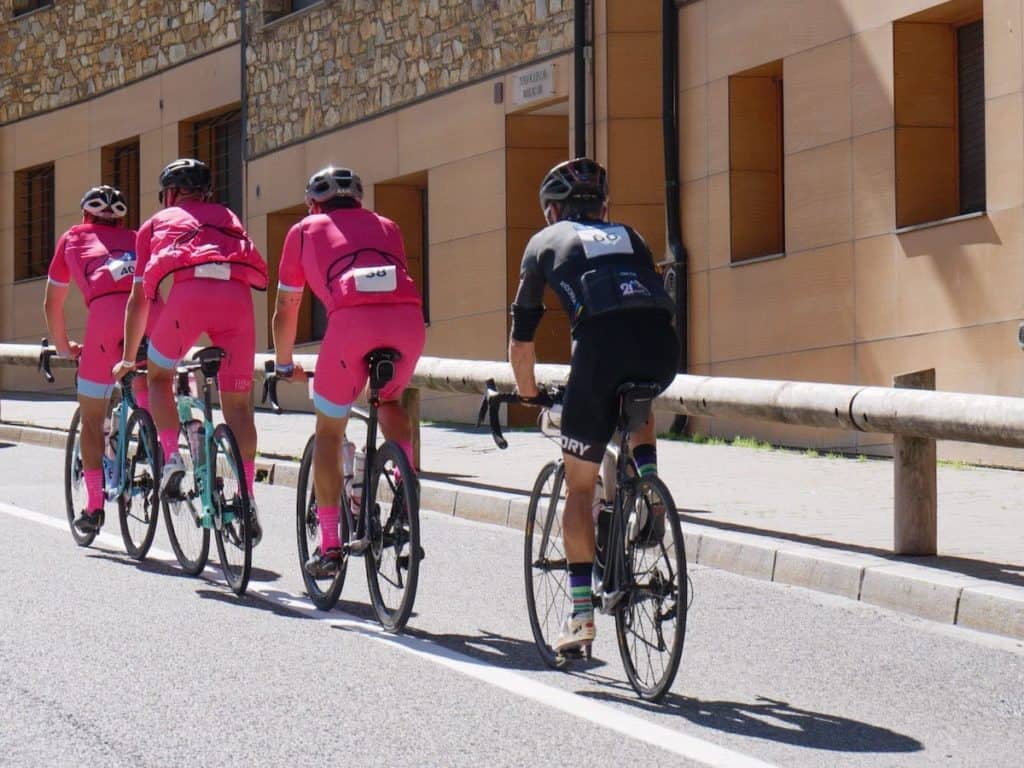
{"x":105,"y":661}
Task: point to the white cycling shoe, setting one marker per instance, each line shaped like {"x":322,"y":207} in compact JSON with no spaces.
{"x":577,"y":632}
{"x":171,"y":477}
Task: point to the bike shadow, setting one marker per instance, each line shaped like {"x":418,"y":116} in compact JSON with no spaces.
{"x":492,"y":648}
{"x":225,"y":595}
{"x":775,"y":720}
{"x":159,"y":567}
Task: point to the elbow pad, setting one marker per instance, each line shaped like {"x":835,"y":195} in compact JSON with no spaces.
{"x":525,"y":321}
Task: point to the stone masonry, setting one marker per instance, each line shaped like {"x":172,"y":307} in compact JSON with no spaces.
{"x":70,"y":51}
{"x":342,"y":60}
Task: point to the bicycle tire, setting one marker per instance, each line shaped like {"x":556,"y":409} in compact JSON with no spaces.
{"x":546,"y":577}
{"x":394,"y":542}
{"x":231,"y":495}
{"x":189,"y":539}
{"x":659,"y":581}
{"x":74,"y":481}
{"x":138,"y":507}
{"x":307,"y":533}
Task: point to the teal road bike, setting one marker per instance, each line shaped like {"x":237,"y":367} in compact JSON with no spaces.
{"x":130,"y":477}
{"x":213,"y":495}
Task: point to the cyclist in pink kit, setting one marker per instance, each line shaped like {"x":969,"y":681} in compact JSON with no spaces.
{"x":201,"y":248}
{"x":354,"y":261}
{"x":99,"y":255}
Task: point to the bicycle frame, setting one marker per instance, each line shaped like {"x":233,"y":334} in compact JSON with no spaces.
{"x":213,"y":516}
{"x":122,"y":412}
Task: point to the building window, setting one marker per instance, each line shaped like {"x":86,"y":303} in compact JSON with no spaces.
{"x":276,"y":9}
{"x":33,"y":221}
{"x":405,"y":201}
{"x":121,"y":170}
{"x":756,"y":166}
{"x":217,"y":141}
{"x":939,"y":93}
{"x":21,"y":7}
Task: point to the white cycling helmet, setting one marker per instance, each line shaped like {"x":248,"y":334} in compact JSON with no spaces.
{"x":331,"y":182}
{"x":104,"y":202}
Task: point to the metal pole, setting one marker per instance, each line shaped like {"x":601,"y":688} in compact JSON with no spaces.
{"x":580,"y":79}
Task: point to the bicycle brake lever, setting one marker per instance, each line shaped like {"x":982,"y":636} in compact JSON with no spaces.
{"x":44,"y":360}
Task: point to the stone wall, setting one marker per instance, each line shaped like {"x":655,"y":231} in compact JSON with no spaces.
{"x":73,"y":50}
{"x":343,"y":60}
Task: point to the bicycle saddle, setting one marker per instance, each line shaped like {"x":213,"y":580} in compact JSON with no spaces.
{"x":209,"y":359}
{"x":382,"y":365}
{"x":635,"y":400}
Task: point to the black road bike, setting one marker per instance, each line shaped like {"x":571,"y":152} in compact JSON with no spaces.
{"x":640,"y":563}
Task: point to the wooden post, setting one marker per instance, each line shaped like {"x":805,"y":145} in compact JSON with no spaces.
{"x":915,"y":518}
{"x":411,"y":403}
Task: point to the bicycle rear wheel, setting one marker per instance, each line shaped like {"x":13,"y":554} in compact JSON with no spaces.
{"x":138,"y":506}
{"x":183,"y":516}
{"x":393,"y":557}
{"x":545,"y":565}
{"x":231,"y":496}
{"x":75,"y":496}
{"x":650,"y":624}
{"x":323,"y":593}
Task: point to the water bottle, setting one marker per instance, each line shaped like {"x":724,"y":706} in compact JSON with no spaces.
{"x":196,"y":441}
{"x":109,"y":453}
{"x":348,"y":456}
{"x":356,"y":487}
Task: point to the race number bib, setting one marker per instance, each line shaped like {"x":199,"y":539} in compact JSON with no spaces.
{"x":601,"y":241}
{"x":220,"y":271}
{"x":122,"y":267}
{"x":376,"y":279}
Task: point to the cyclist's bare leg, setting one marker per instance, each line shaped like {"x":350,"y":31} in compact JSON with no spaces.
{"x":645,"y":435}
{"x":237,"y":410}
{"x":578,"y":519}
{"x":330,"y":432}
{"x":93,"y":411}
{"x":161,"y":398}
{"x":396,"y":425}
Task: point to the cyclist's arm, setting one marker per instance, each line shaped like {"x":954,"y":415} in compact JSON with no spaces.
{"x":58,"y":280}
{"x":527,"y":310}
{"x":291,"y":281}
{"x":135,"y":318}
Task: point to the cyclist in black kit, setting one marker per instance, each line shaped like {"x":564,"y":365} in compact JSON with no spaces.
{"x":604,"y":276}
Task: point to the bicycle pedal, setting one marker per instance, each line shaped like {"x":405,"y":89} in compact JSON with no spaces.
{"x":356,"y":547}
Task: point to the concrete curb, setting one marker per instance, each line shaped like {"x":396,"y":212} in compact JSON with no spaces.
{"x":896,"y":585}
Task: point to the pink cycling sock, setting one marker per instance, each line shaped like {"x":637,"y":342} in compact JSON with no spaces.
{"x":142,"y":398}
{"x":94,"y":489}
{"x":249,"y":467}
{"x":406,"y":447}
{"x":169,"y":442}
{"x":328,"y":527}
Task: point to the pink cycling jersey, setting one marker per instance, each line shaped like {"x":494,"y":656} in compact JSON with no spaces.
{"x":197,"y":239}
{"x":354,"y":261}
{"x":98,"y":257}
{"x":350,"y":257}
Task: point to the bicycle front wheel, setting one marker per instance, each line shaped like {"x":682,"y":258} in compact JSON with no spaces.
{"x":393,"y":557}
{"x":545,"y":565}
{"x":75,"y":495}
{"x":183,"y":515}
{"x":231,"y":497}
{"x":650,"y":624}
{"x":139,"y":505}
{"x":323,"y":593}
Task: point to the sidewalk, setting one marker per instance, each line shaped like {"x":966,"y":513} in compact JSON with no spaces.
{"x":823,"y":523}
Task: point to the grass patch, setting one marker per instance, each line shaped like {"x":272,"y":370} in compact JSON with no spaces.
{"x":751,"y":442}
{"x":811,"y":453}
{"x":955,"y":464}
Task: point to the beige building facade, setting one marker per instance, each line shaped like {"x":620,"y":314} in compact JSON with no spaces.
{"x":852,"y":170}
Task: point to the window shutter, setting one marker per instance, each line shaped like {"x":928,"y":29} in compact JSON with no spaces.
{"x":971,"y":118}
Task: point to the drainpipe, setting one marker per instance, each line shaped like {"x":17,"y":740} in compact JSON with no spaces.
{"x":580,"y":79}
{"x":244,"y":97}
{"x":676,"y":272}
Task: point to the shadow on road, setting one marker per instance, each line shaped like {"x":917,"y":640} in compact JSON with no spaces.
{"x":159,"y":567}
{"x":225,"y":595}
{"x":775,"y":720}
{"x":1005,"y":573}
{"x":490,"y":648}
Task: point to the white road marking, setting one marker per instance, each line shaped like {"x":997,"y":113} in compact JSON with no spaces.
{"x":602,"y":715}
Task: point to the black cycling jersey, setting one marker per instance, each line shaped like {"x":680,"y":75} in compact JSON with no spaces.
{"x":594,"y":267}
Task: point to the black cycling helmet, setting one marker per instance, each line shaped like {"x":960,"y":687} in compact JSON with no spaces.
{"x":185,"y":173}
{"x":579,"y":180}
{"x":331,"y":182}
{"x":104,"y":202}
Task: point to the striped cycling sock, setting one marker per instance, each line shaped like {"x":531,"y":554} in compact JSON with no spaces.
{"x":328,"y":517}
{"x":646,"y":458}
{"x":579,"y":587}
{"x":94,"y":489}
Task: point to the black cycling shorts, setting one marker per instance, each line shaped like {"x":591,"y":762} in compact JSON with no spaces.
{"x":608,"y":351}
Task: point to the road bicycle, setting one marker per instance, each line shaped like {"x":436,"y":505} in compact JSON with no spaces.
{"x":640,"y":562}
{"x":386,"y":530}
{"x":131,"y":476}
{"x":213,"y":494}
